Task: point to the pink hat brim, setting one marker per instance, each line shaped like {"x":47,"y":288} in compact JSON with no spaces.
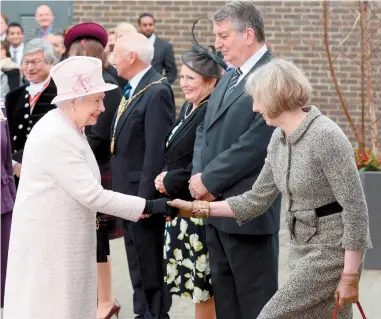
{"x":74,"y":95}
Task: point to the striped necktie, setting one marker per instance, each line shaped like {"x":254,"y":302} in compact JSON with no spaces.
{"x":233,"y":82}
{"x":127,"y":90}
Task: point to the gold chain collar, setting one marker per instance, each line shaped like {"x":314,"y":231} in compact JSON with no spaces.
{"x":123,"y":106}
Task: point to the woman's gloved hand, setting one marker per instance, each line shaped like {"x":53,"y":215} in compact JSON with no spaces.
{"x":160,"y":207}
{"x":348,"y":289}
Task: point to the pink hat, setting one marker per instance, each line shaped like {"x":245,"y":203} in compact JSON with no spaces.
{"x":86,"y":30}
{"x":78,"y":76}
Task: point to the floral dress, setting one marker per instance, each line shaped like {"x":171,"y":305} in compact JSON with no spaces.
{"x":185,"y":252}
{"x":188,"y":272}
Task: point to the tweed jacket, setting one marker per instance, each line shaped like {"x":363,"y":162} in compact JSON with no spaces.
{"x":312,"y":167}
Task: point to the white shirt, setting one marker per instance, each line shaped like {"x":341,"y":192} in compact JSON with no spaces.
{"x":136,"y":79}
{"x":35,"y":88}
{"x":152,"y":38}
{"x":17,"y":53}
{"x":248,"y":65}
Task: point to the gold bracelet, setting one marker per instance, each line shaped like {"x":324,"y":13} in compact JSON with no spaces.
{"x":200,"y":209}
{"x":350,"y":275}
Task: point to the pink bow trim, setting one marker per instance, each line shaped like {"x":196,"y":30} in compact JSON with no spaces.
{"x":81,"y":83}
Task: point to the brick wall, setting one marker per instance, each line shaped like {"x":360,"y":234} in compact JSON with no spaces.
{"x":293,"y":28}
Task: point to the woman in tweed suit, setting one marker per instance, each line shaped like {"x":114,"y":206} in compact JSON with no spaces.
{"x":311,"y":162}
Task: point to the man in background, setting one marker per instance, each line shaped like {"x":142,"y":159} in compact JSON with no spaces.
{"x":44,"y":18}
{"x":15,"y":37}
{"x":29,"y":103}
{"x":163,"y":58}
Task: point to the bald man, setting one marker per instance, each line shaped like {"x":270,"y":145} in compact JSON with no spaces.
{"x":147,"y":115}
{"x":44,"y":18}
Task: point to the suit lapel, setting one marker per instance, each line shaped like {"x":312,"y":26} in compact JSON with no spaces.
{"x":220,"y":97}
{"x":142,"y":84}
{"x":238,"y":91}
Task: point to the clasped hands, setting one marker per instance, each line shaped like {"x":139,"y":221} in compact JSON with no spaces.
{"x":198,"y":209}
{"x":172,"y":209}
{"x":198,"y":189}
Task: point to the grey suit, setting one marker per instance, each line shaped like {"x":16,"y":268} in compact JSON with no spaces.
{"x":230,"y":150}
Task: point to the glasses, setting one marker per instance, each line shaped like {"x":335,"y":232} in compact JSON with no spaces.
{"x":33,"y":63}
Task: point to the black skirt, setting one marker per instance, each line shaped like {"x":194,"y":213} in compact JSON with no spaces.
{"x":103,"y":244}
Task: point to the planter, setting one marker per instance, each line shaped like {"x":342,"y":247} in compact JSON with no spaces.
{"x":371,"y":182}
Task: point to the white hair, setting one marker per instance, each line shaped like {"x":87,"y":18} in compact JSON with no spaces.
{"x":143,"y":49}
{"x":38,"y":44}
{"x":124,"y":27}
{"x":63,"y":103}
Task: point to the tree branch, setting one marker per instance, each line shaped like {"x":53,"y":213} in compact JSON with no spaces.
{"x":334,"y":78}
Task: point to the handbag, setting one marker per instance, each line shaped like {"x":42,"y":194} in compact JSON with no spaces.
{"x":358,"y":305}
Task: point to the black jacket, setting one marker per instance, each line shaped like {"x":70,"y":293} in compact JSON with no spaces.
{"x":164,"y":60}
{"x":179,"y":153}
{"x":99,"y":135}
{"x":230,"y":150}
{"x":20,"y":120}
{"x":139,"y":139}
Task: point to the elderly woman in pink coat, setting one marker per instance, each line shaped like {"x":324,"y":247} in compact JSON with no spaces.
{"x":52,"y":250}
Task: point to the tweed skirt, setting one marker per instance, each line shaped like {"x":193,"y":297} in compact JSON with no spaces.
{"x":316,"y":262}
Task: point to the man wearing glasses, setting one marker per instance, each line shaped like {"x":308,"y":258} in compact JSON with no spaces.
{"x":29,"y":103}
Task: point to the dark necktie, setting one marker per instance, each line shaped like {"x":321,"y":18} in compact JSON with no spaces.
{"x":127,"y":91}
{"x":233,"y":82}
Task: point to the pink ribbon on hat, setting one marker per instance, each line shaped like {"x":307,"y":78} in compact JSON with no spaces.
{"x":81,"y":83}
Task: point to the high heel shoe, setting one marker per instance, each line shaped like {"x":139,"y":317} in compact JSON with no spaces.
{"x":114,"y":310}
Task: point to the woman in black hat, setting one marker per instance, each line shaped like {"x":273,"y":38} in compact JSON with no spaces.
{"x":187,"y":271}
{"x":90,"y":39}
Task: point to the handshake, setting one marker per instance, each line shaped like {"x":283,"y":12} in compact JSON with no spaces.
{"x":177,"y":207}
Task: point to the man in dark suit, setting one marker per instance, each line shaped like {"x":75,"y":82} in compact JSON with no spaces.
{"x":229,"y":154}
{"x":163,"y":58}
{"x":29,"y":103}
{"x":145,"y":116}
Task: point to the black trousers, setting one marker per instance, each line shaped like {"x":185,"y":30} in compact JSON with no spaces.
{"x":144,"y":243}
{"x":244,"y":271}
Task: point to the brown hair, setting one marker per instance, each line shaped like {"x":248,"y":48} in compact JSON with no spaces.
{"x":280,"y":86}
{"x":5,"y":46}
{"x":88,"y":47}
{"x":5,"y":18}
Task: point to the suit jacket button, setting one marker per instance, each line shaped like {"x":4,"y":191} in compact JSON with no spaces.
{"x":28,"y":128}
{"x":20,"y":126}
{"x":30,"y":122}
{"x":26,"y":116}
{"x":26,"y":105}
